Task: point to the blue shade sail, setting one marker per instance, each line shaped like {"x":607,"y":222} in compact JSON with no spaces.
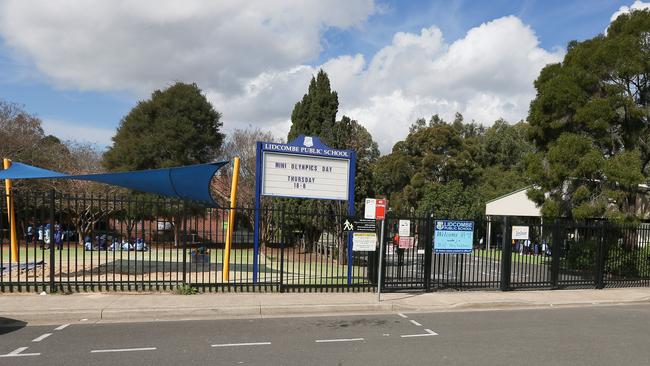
{"x":188,"y":182}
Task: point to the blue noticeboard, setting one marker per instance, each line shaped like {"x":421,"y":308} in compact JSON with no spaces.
{"x":453,"y":236}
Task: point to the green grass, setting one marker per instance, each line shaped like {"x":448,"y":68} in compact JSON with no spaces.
{"x":156,"y":253}
{"x":516,"y":257}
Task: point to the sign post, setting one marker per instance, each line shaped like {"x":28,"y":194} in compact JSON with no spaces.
{"x":380,"y":214}
{"x":381,"y":260}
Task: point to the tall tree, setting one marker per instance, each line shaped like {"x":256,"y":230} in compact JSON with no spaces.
{"x":590,"y":123}
{"x":349,"y":134}
{"x":427,"y":161}
{"x":315,"y":114}
{"x":177,"y":126}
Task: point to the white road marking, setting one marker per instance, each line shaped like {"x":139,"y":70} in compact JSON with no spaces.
{"x":415,"y":323}
{"x":241,"y":344}
{"x":339,"y":340}
{"x":17,"y":353}
{"x":41,"y":337}
{"x":428,"y":333}
{"x":123,"y":350}
{"x":402,"y":315}
{"x":61,"y":327}
{"x":84,"y":319}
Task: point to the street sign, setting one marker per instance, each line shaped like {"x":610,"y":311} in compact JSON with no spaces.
{"x":359,"y":225}
{"x":371,"y":206}
{"x":453,"y":236}
{"x":404,"y":228}
{"x":364,"y":242}
{"x":380,"y":211}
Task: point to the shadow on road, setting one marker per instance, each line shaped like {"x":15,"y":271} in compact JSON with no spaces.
{"x":8,"y":325}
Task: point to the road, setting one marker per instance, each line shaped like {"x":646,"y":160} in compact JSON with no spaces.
{"x":597,"y":335}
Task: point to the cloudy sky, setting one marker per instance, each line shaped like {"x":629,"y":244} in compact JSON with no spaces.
{"x":82,"y":65}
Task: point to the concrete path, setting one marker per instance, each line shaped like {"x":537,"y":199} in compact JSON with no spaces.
{"x":37,"y":309}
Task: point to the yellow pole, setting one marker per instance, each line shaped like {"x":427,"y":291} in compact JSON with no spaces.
{"x":231,"y":220}
{"x":11,"y":215}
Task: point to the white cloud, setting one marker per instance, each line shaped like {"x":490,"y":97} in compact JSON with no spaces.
{"x":251,"y":59}
{"x":637,"y":5}
{"x":140,"y":45}
{"x":65,"y":130}
{"x":486,"y":75}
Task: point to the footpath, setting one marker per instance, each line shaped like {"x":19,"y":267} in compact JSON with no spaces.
{"x":35,"y":309}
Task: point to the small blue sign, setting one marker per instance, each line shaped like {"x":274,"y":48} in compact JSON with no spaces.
{"x":453,"y":236}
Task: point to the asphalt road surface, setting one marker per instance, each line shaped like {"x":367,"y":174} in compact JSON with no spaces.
{"x":613,"y":335}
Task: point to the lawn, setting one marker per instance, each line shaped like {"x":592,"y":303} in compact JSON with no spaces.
{"x":516,"y":257}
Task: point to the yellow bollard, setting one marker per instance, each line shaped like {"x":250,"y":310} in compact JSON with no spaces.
{"x":231,"y":221}
{"x":11,"y":215}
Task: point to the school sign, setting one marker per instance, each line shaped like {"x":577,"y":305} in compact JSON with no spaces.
{"x":303,"y":168}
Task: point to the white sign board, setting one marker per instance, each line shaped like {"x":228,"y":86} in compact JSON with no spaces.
{"x":404,"y":228}
{"x":520,"y":233}
{"x":364,"y":242}
{"x":371,"y":206}
{"x":305,"y":176}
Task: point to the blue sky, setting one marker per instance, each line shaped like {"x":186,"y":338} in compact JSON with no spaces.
{"x":71,"y":104}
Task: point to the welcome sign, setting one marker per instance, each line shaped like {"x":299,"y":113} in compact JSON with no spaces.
{"x":453,"y":236}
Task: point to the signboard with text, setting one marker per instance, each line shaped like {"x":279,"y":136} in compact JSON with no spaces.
{"x":364,"y":242}
{"x":404,"y":228}
{"x":453,"y":236}
{"x":363,"y":225}
{"x":287,"y":174}
{"x":303,"y":168}
{"x":406,"y":242}
{"x":380,"y":209}
{"x":519,"y":232}
{"x":370,"y":207}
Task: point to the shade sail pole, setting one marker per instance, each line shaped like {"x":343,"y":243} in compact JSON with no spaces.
{"x":11,"y":215}
{"x":231,"y":221}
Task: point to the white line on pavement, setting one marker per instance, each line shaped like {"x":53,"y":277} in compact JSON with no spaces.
{"x":61,"y":327}
{"x":402,"y":315}
{"x":241,"y":344}
{"x":415,"y":323}
{"x":17,"y":353}
{"x":428,"y":333}
{"x":123,"y":350}
{"x":41,"y":337}
{"x":339,"y":340}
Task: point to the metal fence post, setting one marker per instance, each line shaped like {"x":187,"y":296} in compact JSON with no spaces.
{"x":600,"y":258}
{"x":184,"y":239}
{"x":52,"y":244}
{"x":427,"y":252}
{"x":282,"y":240}
{"x":506,"y":256}
{"x":556,"y":250}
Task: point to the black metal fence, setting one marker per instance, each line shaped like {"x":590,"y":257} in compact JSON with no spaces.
{"x":559,"y":254}
{"x":86,"y":243}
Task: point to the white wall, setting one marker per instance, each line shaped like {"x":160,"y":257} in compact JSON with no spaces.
{"x":514,"y":204}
